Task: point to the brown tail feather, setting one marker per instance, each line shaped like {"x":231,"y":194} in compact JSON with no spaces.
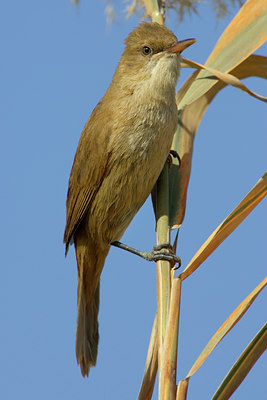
{"x":90,"y":262}
{"x":87,"y":335}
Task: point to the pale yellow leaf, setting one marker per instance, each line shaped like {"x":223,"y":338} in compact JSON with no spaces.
{"x":256,"y":194}
{"x":226,"y":327}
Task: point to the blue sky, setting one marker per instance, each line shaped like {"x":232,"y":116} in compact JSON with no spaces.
{"x":56,"y":64}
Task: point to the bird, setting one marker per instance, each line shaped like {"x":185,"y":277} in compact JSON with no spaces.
{"x":120,"y":155}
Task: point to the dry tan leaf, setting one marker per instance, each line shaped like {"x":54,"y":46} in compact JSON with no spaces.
{"x":245,"y":34}
{"x":189,"y":120}
{"x":226,"y":327}
{"x":151,"y":366}
{"x":257,"y":193}
{"x":243,"y":365}
{"x":227,"y":78}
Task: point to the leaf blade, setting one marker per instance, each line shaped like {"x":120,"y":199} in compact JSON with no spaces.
{"x":225,"y":77}
{"x":245,"y":34}
{"x":243,"y":365}
{"x":188,"y":122}
{"x":255,"y":195}
{"x":151,"y":366}
{"x":226,"y":327}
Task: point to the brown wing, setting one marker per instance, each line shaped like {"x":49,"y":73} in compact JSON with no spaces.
{"x":89,"y":169}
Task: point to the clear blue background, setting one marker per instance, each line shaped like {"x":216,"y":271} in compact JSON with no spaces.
{"x":56,"y":63}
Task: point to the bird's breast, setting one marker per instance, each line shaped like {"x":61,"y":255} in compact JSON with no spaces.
{"x":141,"y":138}
{"x":146,"y":130}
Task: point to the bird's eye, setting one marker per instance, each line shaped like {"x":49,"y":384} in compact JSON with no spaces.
{"x":146,"y":50}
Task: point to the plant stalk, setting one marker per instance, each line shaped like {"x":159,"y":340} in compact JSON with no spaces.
{"x":163,"y":267}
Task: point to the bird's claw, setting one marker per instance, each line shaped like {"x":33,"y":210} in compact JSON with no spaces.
{"x":164,"y":252}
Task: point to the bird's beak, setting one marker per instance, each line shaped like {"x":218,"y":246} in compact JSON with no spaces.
{"x":181,"y":46}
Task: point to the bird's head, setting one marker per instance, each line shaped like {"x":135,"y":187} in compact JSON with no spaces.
{"x":151,"y":55}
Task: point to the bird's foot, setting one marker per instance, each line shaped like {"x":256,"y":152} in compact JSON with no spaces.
{"x":162,"y":251}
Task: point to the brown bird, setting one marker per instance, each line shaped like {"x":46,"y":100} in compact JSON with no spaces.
{"x":120,"y":155}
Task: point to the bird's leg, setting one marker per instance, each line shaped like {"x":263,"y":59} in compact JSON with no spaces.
{"x":162,"y":251}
